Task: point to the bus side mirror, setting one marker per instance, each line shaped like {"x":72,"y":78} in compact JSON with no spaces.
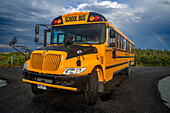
{"x":37,"y":29}
{"x":112,"y":33}
{"x":68,"y":40}
{"x":36,"y":39}
{"x":114,"y":53}
{"x":14,"y":41}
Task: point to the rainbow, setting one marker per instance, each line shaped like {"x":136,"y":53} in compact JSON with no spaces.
{"x":159,"y":38}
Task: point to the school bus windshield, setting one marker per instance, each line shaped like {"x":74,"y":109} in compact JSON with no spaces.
{"x":89,"y":33}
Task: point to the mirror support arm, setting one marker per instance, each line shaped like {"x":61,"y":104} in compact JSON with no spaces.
{"x":45,"y":25}
{"x":25,"y":48}
{"x":13,"y":46}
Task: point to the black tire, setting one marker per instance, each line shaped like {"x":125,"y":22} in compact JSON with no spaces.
{"x":35,"y":89}
{"x":128,"y":70}
{"x":91,"y":91}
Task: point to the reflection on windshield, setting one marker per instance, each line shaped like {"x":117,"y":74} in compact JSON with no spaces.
{"x":92,"y":33}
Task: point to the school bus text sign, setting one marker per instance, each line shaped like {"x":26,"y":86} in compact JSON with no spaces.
{"x":75,"y":18}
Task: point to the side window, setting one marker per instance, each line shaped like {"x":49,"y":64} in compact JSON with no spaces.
{"x":84,"y":39}
{"x":110,"y":40}
{"x":124,"y":42}
{"x":78,"y":38}
{"x":116,"y":39}
{"x":126,"y":45}
{"x":133,"y":48}
{"x":120,"y":41}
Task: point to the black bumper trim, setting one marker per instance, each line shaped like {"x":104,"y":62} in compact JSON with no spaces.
{"x":70,"y":81}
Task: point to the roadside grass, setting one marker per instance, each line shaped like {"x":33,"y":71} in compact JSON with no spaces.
{"x":5,"y":60}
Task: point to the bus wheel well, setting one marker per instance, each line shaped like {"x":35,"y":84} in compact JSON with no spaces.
{"x":99,"y":71}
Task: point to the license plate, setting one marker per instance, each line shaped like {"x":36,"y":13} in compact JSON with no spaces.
{"x":42,"y":87}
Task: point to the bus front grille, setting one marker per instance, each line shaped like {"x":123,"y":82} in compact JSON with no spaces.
{"x":49,"y":62}
{"x":36,"y":61}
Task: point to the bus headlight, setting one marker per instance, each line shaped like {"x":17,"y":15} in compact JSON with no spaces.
{"x":73,"y":71}
{"x":25,"y":66}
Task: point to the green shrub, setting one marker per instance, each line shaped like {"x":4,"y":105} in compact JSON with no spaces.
{"x":5,"y":59}
{"x":151,"y":57}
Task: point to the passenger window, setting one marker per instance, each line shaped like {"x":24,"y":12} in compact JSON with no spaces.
{"x":120,"y":38}
{"x":126,"y":45}
{"x":133,"y":48}
{"x":124,"y":42}
{"x":116,"y":39}
{"x":78,"y":38}
{"x":84,"y":39}
{"x":110,"y":40}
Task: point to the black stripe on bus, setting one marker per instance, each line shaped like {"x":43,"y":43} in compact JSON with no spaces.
{"x":125,"y":51}
{"x":125,"y":56}
{"x":108,"y":67}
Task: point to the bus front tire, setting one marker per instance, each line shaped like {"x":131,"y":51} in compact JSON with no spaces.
{"x":91,"y":90}
{"x":35,"y":89}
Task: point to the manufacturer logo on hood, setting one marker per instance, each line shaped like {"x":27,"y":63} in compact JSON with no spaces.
{"x":44,"y":53}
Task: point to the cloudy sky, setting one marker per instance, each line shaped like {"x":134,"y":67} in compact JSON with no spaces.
{"x":145,"y":22}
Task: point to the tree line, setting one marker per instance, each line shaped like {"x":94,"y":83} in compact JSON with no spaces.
{"x":151,"y":57}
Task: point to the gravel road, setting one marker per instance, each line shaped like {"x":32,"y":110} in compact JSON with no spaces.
{"x":137,"y":93}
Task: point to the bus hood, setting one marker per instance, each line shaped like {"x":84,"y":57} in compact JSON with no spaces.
{"x":72,"y":50}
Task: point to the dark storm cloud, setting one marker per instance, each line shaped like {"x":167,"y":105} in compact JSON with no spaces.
{"x":18,"y":18}
{"x":154,"y":17}
{"x":135,"y":18}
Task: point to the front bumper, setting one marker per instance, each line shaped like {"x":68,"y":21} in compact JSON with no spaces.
{"x":73,"y":83}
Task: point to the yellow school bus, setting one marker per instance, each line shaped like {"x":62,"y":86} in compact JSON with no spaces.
{"x":84,"y":53}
